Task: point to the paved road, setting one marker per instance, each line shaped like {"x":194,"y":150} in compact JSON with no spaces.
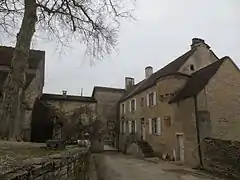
{"x":115,"y":166}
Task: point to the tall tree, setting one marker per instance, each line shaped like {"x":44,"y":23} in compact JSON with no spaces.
{"x":93,"y":22}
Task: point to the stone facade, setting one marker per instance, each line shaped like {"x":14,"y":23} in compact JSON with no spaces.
{"x":71,"y":164}
{"x":107,"y":111}
{"x":176,"y":129}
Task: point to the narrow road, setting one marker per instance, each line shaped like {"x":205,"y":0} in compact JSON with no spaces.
{"x":116,"y":166}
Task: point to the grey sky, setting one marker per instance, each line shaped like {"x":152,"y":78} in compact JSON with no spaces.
{"x":163,"y":31}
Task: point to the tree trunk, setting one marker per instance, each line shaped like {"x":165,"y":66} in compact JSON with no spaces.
{"x":13,"y":86}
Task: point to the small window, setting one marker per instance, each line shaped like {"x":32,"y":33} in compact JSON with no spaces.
{"x":142,"y":101}
{"x":122,"y":130}
{"x":167,"y":121}
{"x":133,"y":105}
{"x":151,"y":99}
{"x":110,"y":125}
{"x":123,"y":109}
{"x":192,"y":67}
{"x":133,"y":127}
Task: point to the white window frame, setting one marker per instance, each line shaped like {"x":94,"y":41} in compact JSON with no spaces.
{"x":150,"y":126}
{"x":159,"y":126}
{"x":135,"y":105}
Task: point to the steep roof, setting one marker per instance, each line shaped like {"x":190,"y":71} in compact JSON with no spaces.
{"x":6,"y":54}
{"x":107,"y":89}
{"x":59,"y":97}
{"x":166,"y":70}
{"x":198,"y":81}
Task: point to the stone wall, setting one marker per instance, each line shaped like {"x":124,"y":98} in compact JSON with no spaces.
{"x":68,"y":165}
{"x":221,"y":156}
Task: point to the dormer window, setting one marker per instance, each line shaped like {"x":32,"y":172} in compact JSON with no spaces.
{"x":192,"y":67}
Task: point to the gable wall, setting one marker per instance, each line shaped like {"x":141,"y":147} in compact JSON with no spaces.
{"x":200,"y":59}
{"x":223,"y":102}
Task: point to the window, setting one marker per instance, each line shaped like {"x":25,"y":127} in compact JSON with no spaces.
{"x":192,"y":67}
{"x":150,"y":96}
{"x":123,"y":108}
{"x":151,"y":99}
{"x":167,"y":121}
{"x":132,"y":105}
{"x":142,"y":101}
{"x":133,"y":127}
{"x":122,"y":127}
{"x":154,"y":126}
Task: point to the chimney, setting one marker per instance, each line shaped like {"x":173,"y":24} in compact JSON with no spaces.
{"x":129,"y":83}
{"x":196,"y":42}
{"x":64,"y":93}
{"x":148,"y":71}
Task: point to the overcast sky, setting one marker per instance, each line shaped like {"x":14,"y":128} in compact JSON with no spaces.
{"x":163,"y":32}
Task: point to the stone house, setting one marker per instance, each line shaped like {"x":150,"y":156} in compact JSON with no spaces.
{"x":68,"y":104}
{"x":195,"y":96}
{"x":33,"y":88}
{"x":107,"y":111}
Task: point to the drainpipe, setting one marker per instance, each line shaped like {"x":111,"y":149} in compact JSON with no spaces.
{"x":198,"y":131}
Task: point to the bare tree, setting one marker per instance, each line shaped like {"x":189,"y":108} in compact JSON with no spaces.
{"x":93,"y":22}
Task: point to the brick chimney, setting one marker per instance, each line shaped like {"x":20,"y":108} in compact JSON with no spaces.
{"x":148,"y":71}
{"x":196,"y":42}
{"x":129,"y":83}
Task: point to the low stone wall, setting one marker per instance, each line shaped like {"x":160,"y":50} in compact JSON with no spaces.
{"x":68,"y":165}
{"x":222,"y":157}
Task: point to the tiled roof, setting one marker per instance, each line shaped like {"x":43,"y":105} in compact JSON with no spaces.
{"x":60,"y":97}
{"x":172,"y":67}
{"x":198,"y":81}
{"x":6,"y":53}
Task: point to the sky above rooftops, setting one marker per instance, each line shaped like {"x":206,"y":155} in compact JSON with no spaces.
{"x":162,"y":32}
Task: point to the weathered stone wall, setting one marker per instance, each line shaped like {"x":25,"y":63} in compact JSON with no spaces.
{"x":223,"y":102}
{"x":107,"y":110}
{"x":69,"y":165}
{"x":221,"y":156}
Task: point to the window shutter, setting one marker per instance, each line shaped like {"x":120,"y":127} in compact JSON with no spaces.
{"x":129,"y":106}
{"x":135,"y":126}
{"x":159,"y":126}
{"x":135,"y":103}
{"x":130,"y":126}
{"x":154,"y":98}
{"x":124,"y":127}
{"x":150,"y":126}
{"x":147,"y":100}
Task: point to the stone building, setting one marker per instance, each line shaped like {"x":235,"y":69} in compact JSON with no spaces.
{"x":195,"y":96}
{"x":67,"y":105}
{"x":107,"y":111}
{"x":33,"y":88}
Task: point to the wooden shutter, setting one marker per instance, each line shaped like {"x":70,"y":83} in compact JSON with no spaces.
{"x":129,"y":106}
{"x":135,"y":104}
{"x":147,"y":100}
{"x":130,"y":126}
{"x":154,"y":98}
{"x":150,"y":126}
{"x":159,"y":126}
{"x":135,"y":126}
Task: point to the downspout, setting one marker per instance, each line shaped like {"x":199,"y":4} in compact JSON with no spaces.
{"x":198,"y":131}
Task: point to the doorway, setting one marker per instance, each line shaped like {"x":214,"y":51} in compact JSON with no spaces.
{"x":143,"y":130}
{"x":180,"y":147}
